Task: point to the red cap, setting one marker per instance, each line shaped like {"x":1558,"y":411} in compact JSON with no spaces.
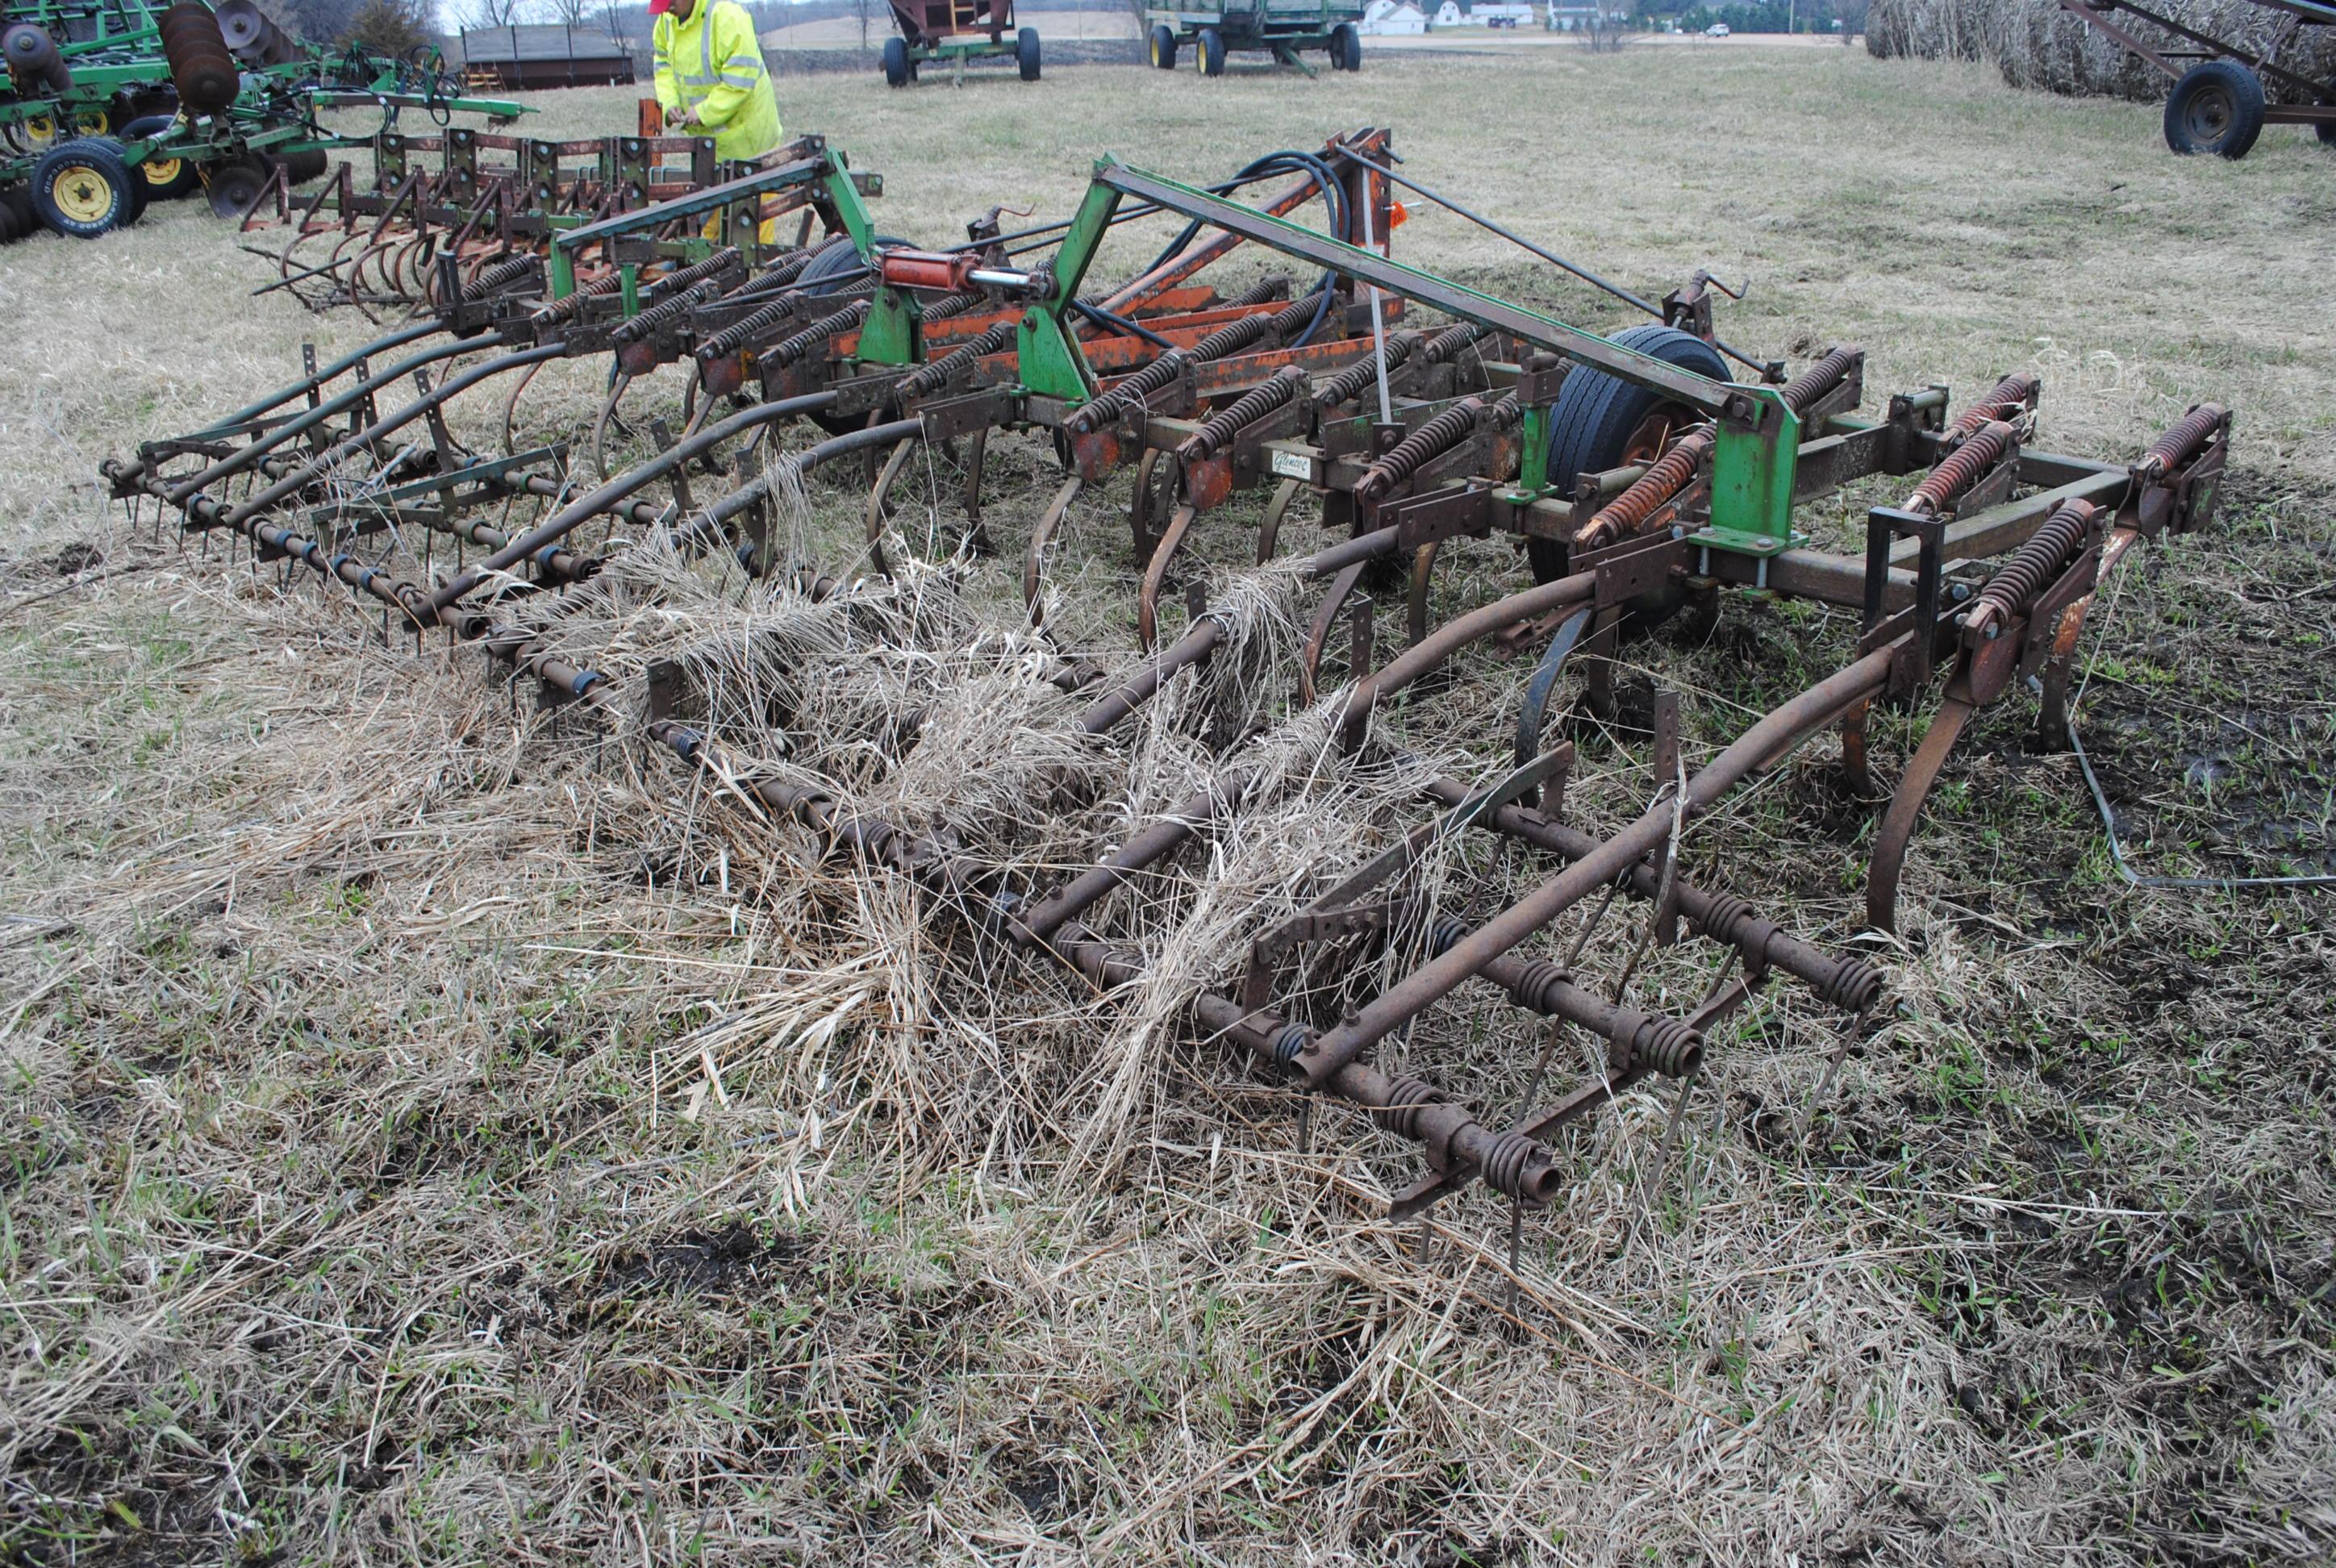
{"x":660,"y":7}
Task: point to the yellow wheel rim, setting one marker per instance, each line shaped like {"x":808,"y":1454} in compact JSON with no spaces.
{"x":40,"y":131}
{"x":161,"y":171}
{"x":82,"y":193}
{"x":92,"y":123}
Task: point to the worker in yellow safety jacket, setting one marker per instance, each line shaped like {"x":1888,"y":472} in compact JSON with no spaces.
{"x":710,"y":76}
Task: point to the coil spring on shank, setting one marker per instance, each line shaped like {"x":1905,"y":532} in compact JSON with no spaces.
{"x":2171,"y":449}
{"x":1220,"y":427}
{"x":1266,"y":289}
{"x":744,"y":330}
{"x":1628,"y":513}
{"x":2006,"y":400}
{"x":1435,"y":438}
{"x":509,"y":271}
{"x":661,"y":315}
{"x":788,"y":350}
{"x":1451,"y":341}
{"x":1107,"y":407}
{"x":1819,"y":378}
{"x":947,"y":305}
{"x":566,"y":307}
{"x":935,"y":375}
{"x":785,"y":271}
{"x":1350,"y":382}
{"x":1506,"y":1162}
{"x":691,"y":275}
{"x":2046,"y":554}
{"x":1962,"y":467}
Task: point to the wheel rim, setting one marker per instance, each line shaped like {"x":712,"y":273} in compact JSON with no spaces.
{"x":2207,"y":115}
{"x":1652,"y":437}
{"x":40,"y":131}
{"x":82,"y":193}
{"x":93,"y":122}
{"x":162,"y":170}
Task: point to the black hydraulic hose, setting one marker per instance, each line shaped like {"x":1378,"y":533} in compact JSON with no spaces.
{"x":1101,"y":318}
{"x":1334,"y":196}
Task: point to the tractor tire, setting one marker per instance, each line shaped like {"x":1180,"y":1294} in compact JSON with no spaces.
{"x":201,"y":68}
{"x":1210,"y":45}
{"x":162,"y":179}
{"x":1346,"y":48}
{"x":1593,"y":423}
{"x":16,"y":219}
{"x":80,"y":189}
{"x":1163,"y":49}
{"x":897,"y":73}
{"x":235,"y":185}
{"x":2217,"y":107}
{"x":1026,"y":52}
{"x":303,"y":164}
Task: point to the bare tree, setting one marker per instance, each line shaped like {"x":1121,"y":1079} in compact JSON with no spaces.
{"x":481,"y":14}
{"x":860,"y":7}
{"x":570,"y":11}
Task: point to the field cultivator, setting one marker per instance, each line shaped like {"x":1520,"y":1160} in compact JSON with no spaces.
{"x":1638,"y":479}
{"x":110,"y":104}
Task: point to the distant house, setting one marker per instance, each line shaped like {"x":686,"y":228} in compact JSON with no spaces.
{"x":540,"y":56}
{"x":1394,"y":19}
{"x":1564,"y":18}
{"x":1449,"y":15}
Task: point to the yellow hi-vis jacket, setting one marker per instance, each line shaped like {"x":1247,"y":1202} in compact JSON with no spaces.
{"x":711,"y":66}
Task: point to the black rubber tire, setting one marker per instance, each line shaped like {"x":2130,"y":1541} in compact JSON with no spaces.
{"x":1210,"y":45}
{"x":1163,"y":48}
{"x":2216,"y":107}
{"x":1595,"y":412}
{"x":896,"y":62}
{"x":303,"y":164}
{"x":94,"y":170}
{"x":2326,"y":131}
{"x":1026,"y":52}
{"x":233,"y":185}
{"x":178,"y":177}
{"x":1346,"y":48}
{"x":16,"y":219}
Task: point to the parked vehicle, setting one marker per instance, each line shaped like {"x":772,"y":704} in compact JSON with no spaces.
{"x":1281,"y":28}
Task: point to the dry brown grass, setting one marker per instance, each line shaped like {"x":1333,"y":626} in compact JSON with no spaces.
{"x":439,"y":1132}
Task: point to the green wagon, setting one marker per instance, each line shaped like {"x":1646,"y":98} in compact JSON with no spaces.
{"x":1284,"y":29}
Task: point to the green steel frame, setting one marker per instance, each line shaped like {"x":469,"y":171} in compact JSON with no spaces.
{"x":1758,"y":435}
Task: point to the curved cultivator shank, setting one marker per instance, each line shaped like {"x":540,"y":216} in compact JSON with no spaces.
{"x":789,"y":362}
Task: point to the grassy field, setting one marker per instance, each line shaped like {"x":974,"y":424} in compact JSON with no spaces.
{"x":433,"y":1135}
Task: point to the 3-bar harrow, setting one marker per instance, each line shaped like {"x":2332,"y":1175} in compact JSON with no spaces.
{"x":1637,"y":477}
{"x":490,"y":200}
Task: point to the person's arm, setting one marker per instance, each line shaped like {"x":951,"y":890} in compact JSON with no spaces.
{"x":668,"y":87}
{"x":737,"y":65}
